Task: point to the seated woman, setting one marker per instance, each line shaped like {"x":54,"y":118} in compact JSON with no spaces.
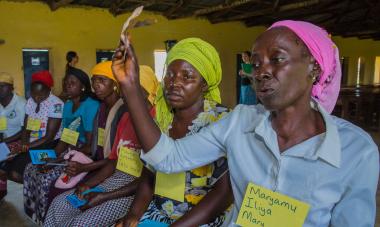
{"x":41,"y":126}
{"x":105,"y":208}
{"x":105,"y":123}
{"x":289,"y":145}
{"x":189,"y":101}
{"x":12,"y":114}
{"x":106,"y":120}
{"x":78,"y":115}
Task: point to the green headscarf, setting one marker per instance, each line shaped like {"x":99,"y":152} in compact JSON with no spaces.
{"x":205,"y":59}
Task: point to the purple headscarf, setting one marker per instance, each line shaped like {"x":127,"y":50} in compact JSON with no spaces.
{"x":326,"y":53}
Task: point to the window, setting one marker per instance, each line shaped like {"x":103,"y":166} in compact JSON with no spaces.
{"x":159,"y":63}
{"x":376,"y":78}
{"x":104,"y":55}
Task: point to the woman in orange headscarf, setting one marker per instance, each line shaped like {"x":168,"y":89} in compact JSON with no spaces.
{"x":104,"y":208}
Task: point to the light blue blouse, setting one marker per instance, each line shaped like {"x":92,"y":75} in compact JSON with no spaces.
{"x":335,"y":172}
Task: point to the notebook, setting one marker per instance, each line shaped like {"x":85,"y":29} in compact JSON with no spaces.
{"x":151,"y":223}
{"x":76,"y":202}
{"x":37,"y":156}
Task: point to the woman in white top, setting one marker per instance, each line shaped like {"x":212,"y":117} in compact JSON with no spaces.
{"x":41,"y":125}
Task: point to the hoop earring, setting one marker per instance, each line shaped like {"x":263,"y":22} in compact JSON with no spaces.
{"x":83,"y":89}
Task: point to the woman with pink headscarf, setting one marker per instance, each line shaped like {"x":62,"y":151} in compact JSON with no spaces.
{"x":291,"y":163}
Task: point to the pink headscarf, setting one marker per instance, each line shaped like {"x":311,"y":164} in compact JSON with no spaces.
{"x":326,"y":53}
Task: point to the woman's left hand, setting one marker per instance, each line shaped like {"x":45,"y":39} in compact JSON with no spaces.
{"x":94,"y":199}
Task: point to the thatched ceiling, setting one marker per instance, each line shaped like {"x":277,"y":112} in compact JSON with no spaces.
{"x":347,"y":18}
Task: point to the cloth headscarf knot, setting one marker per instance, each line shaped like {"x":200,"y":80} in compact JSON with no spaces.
{"x":149,"y":82}
{"x":104,"y":69}
{"x":43,"y":77}
{"x":205,"y":59}
{"x":326,"y":53}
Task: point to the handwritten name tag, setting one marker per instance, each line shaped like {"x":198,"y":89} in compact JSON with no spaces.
{"x":263,"y":207}
{"x":129,"y":162}
{"x":3,"y":124}
{"x":171,"y":186}
{"x":70,"y":136}
{"x":101,"y":137}
{"x":33,"y":124}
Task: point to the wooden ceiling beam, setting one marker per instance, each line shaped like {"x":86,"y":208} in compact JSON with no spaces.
{"x":54,"y":5}
{"x":116,"y":5}
{"x":224,"y":6}
{"x":316,"y":14}
{"x":148,"y":3}
{"x":170,"y":12}
{"x":374,"y":36}
{"x":271,"y":10}
{"x":118,"y":10}
{"x":356,"y":29}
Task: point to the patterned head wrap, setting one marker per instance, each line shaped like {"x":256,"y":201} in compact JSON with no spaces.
{"x":205,"y":59}
{"x":149,"y":82}
{"x":326,"y":53}
{"x":6,"y":78}
{"x":43,"y":77}
{"x":104,"y":69}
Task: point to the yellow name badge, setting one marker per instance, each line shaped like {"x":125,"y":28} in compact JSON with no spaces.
{"x":101,"y":137}
{"x":199,"y":182}
{"x":70,"y":136}
{"x":33,"y":124}
{"x":171,"y":186}
{"x":129,"y":162}
{"x":263,"y":207}
{"x":3,"y":124}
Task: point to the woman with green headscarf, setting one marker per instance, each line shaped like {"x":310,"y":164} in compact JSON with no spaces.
{"x":187,"y":100}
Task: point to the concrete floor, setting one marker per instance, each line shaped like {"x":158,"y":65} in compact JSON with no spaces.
{"x":12,"y":208}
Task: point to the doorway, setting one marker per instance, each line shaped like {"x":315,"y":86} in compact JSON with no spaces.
{"x":34,"y":60}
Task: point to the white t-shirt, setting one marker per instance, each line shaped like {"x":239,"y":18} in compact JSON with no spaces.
{"x":52,"y":107}
{"x":14,"y":113}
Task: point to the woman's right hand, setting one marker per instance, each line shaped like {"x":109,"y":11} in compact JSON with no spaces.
{"x":124,"y":64}
{"x":17,"y":148}
{"x":14,"y":148}
{"x":74,"y":168}
{"x":80,"y":189}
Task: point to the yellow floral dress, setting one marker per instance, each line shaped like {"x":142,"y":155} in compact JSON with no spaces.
{"x":198,"y":181}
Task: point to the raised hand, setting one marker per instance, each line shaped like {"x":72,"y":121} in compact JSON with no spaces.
{"x":125,"y":66}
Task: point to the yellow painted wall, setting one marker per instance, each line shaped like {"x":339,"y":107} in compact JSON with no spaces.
{"x":354,"y":48}
{"x":84,"y":29}
{"x":33,"y":25}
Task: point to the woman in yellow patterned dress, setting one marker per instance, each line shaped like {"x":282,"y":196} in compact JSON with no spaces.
{"x":188,"y":101}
